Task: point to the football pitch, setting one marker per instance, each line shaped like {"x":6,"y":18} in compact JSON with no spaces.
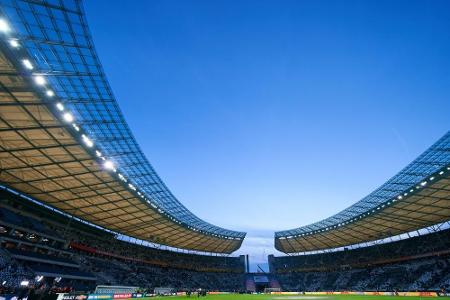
{"x":298,"y":297}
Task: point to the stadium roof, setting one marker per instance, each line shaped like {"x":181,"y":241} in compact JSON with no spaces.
{"x":65,"y":141}
{"x":417,"y":197}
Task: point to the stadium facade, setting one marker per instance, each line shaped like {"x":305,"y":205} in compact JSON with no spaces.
{"x":73,"y":176}
{"x":65,"y":141}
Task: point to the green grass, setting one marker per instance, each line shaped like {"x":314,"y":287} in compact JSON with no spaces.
{"x":296,"y":297}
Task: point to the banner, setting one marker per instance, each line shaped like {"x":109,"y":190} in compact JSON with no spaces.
{"x":100,"y":296}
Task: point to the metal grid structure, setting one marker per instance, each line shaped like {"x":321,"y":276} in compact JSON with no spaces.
{"x":417,"y":197}
{"x":55,"y":36}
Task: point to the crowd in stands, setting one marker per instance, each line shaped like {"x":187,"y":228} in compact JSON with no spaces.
{"x":416,"y":264}
{"x":116,"y":272}
{"x":418,"y":275}
{"x":72,"y":255}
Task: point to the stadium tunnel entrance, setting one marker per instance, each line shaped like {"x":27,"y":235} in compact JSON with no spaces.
{"x":257,"y":282}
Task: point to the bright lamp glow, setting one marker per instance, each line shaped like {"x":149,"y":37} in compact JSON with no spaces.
{"x":39,"y":80}
{"x":68,"y":117}
{"x":14,"y":43}
{"x":24,"y":283}
{"x":87,"y":141}
{"x":27,"y":64}
{"x":4,"y":27}
{"x":50,"y":93}
{"x":109,"y":165}
{"x":60,"y":106}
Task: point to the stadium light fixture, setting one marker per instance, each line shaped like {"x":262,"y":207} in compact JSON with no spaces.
{"x":68,"y":117}
{"x":122,"y":177}
{"x":60,"y":106}
{"x":50,"y":93}
{"x":24,"y":283}
{"x":14,"y":43}
{"x":109,"y":165}
{"x":27,"y":64}
{"x":4,"y":26}
{"x":87,"y":141}
{"x":40,"y":80}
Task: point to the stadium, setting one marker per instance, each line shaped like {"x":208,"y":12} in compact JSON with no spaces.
{"x":84,"y":215}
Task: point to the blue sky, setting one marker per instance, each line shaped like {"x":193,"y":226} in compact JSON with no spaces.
{"x":269,"y":115}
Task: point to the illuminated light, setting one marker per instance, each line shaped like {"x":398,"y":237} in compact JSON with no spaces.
{"x":99,"y":154}
{"x":87,"y":141}
{"x":68,"y":117}
{"x":39,"y":278}
{"x":109,"y":165}
{"x":50,"y":93}
{"x":76,"y":127}
{"x":4,"y":27}
{"x":399,"y":197}
{"x":24,"y":283}
{"x":4,"y":282}
{"x":39,"y":80}
{"x":14,"y":43}
{"x":60,"y":106}
{"x":27,"y":64}
{"x":432,"y":178}
{"x":122,"y":178}
{"x":423,"y":183}
{"x":441,"y":172}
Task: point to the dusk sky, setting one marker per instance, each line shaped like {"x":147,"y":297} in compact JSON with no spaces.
{"x":268,"y":115}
